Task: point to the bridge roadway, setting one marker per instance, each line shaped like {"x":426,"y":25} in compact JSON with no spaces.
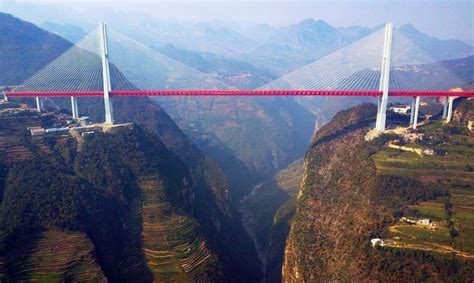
{"x":235,"y":92}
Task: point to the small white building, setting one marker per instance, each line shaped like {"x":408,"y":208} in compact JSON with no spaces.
{"x":37,"y":131}
{"x":377,"y":242}
{"x":424,"y":221}
{"x":83,"y":134}
{"x":428,"y":151}
{"x":400,"y":109}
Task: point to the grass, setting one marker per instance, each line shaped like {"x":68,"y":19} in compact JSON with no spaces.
{"x":448,"y":172}
{"x":433,"y":209}
{"x":169,"y":237}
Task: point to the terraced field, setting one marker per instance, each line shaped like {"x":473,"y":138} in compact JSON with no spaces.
{"x":54,"y":256}
{"x":450,"y":171}
{"x":12,"y":141}
{"x":173,"y":249}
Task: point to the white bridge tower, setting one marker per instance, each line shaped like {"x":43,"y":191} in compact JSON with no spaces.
{"x":109,"y":115}
{"x":384,"y":80}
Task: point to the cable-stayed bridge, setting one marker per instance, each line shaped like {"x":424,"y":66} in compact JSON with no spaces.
{"x":107,"y":64}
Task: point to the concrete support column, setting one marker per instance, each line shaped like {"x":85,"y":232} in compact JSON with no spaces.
{"x":450,"y":109}
{"x":412,"y":110}
{"x":74,"y":108}
{"x":415,"y":117}
{"x":38,"y":104}
{"x":445,"y":108}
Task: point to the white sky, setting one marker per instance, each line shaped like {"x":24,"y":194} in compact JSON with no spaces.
{"x":441,"y":18}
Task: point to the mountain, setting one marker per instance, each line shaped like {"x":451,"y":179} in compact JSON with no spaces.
{"x":232,"y":72}
{"x":72,"y":193}
{"x":302,"y":43}
{"x":70,"y":32}
{"x":462,"y":68}
{"x":354,"y":191}
{"x":437,"y":48}
{"x":191,"y":191}
{"x":25,"y":49}
{"x":200,"y":37}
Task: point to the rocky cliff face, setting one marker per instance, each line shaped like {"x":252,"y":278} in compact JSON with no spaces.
{"x":354,"y":190}
{"x":335,"y":210}
{"x":464,"y":113}
{"x":130,"y":205}
{"x":213,"y":206}
{"x":118,"y":208}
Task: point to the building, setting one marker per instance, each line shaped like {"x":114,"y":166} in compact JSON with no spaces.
{"x":412,"y":137}
{"x":407,"y":220}
{"x":428,"y":151}
{"x":425,"y":221}
{"x":83,"y":134}
{"x":401,"y":109}
{"x":377,"y":242}
{"x":36,"y":131}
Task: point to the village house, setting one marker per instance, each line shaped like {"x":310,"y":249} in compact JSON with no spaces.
{"x":400,"y":109}
{"x":412,"y":137}
{"x":36,"y":131}
{"x":425,"y":222}
{"x":377,"y":242}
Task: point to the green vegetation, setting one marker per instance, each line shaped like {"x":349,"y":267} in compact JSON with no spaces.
{"x":354,"y":191}
{"x":432,"y":192}
{"x":87,"y":193}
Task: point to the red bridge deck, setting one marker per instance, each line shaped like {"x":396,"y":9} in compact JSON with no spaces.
{"x":232,"y":92}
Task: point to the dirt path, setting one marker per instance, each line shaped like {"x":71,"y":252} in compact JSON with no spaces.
{"x":425,"y":246}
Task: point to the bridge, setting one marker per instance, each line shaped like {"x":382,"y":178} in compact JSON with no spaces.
{"x":355,"y":70}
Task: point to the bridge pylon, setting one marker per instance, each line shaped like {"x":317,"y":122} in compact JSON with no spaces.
{"x":74,"y":107}
{"x":384,"y":80}
{"x":109,"y":115}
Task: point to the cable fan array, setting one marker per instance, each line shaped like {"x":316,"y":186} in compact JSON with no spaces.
{"x":358,"y":66}
{"x":134,"y":66}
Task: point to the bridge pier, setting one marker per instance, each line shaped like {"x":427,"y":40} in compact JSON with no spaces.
{"x":38,"y":104}
{"x":384,"y":80}
{"x":109,"y":115}
{"x":450,"y":109}
{"x":412,"y":110}
{"x":74,"y":108}
{"x":415,"y":113}
{"x":445,"y":108}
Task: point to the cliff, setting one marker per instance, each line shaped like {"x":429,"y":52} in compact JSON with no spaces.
{"x":353,"y":191}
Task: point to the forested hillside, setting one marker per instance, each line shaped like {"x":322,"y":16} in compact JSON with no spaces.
{"x":354,"y":191}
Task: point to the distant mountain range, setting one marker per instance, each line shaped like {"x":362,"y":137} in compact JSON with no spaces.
{"x":25,"y":48}
{"x":240,"y":74}
{"x":70,"y":32}
{"x":299,"y":44}
{"x":438,"y":49}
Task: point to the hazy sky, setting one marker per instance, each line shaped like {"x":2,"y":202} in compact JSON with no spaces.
{"x":443,"y":19}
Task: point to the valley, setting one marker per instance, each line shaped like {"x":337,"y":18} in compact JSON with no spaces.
{"x":192,"y":188}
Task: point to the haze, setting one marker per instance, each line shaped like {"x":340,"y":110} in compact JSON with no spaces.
{"x":443,"y":19}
